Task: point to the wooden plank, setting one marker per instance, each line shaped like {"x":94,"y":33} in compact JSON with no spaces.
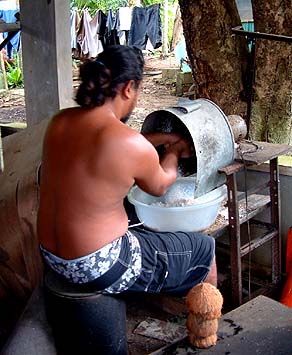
{"x":261,"y":326}
{"x":232,"y":168}
{"x":256,"y":153}
{"x":9,"y":27}
{"x":255,"y":204}
{"x":257,"y":242}
{"x":21,"y":264}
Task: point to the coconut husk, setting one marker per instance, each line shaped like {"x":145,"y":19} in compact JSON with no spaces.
{"x":203,"y":342}
{"x":201,"y":327}
{"x":205,"y":300}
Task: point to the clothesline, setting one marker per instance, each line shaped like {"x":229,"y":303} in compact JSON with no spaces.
{"x":139,"y":27}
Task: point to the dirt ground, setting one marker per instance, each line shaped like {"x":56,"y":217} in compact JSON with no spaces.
{"x":155,"y":94}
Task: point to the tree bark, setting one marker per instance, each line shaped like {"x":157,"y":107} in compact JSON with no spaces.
{"x":218,"y":58}
{"x":271,"y":106}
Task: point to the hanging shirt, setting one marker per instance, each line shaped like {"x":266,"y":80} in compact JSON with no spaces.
{"x":124,"y":16}
{"x":74,"y":25}
{"x":111,"y":35}
{"x":123,"y":24}
{"x":101,"y":28}
{"x":8,"y":16}
{"x":90,"y":44}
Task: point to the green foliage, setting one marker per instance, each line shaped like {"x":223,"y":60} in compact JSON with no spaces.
{"x":150,"y":2}
{"x":14,"y":76}
{"x":94,"y":5}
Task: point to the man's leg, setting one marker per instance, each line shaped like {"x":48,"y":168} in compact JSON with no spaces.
{"x":212,"y":275}
{"x":174,"y":262}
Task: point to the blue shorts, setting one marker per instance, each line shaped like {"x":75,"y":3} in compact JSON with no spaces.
{"x":146,"y":261}
{"x":172,"y":262}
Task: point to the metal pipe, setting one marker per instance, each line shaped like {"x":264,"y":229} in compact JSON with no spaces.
{"x":270,"y":36}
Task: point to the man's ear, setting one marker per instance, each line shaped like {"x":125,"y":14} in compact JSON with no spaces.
{"x":127,"y":90}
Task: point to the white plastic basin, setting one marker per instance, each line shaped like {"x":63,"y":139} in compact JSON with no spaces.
{"x":188,"y":218}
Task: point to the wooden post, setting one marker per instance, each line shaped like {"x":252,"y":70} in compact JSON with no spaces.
{"x":47,"y":58}
{"x":3,"y":71}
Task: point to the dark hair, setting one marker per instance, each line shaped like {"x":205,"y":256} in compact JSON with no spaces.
{"x":102,"y":77}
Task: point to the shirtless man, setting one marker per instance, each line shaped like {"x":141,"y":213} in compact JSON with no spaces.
{"x":91,"y":159}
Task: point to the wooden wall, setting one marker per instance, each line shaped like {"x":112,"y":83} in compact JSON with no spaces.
{"x":20,"y":262}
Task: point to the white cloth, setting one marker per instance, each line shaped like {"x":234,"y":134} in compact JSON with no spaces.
{"x":91,"y":44}
{"x":73,"y":29}
{"x":125,"y":18}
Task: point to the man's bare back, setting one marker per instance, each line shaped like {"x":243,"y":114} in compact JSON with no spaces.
{"x":90,"y":161}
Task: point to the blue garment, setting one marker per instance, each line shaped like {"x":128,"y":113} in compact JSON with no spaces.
{"x":172,"y":263}
{"x":146,"y":23}
{"x":111,"y":269}
{"x":181,"y":55}
{"x":8,"y":16}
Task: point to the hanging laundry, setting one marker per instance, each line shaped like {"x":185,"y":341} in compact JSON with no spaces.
{"x":111,"y":34}
{"x":146,"y":23}
{"x":123,"y":23}
{"x":101,"y":28}
{"x":87,"y":36}
{"x":79,"y":38}
{"x":125,"y":19}
{"x":9,"y":16}
{"x":74,"y":26}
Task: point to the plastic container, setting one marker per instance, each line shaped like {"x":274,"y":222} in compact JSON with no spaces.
{"x":189,"y":218}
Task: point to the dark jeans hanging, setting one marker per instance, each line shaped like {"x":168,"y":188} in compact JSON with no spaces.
{"x":101,"y":28}
{"x":146,"y":23}
{"x":111,"y":34}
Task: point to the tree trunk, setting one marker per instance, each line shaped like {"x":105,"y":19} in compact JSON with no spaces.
{"x":271,"y":107}
{"x":218,"y":58}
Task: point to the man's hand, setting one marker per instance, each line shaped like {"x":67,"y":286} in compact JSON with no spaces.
{"x":160,"y":138}
{"x":182,"y":147}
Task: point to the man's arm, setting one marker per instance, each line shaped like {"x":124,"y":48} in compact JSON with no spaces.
{"x":154,"y":176}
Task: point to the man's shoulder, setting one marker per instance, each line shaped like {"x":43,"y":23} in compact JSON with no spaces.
{"x":64,"y":114}
{"x":127,"y":139}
